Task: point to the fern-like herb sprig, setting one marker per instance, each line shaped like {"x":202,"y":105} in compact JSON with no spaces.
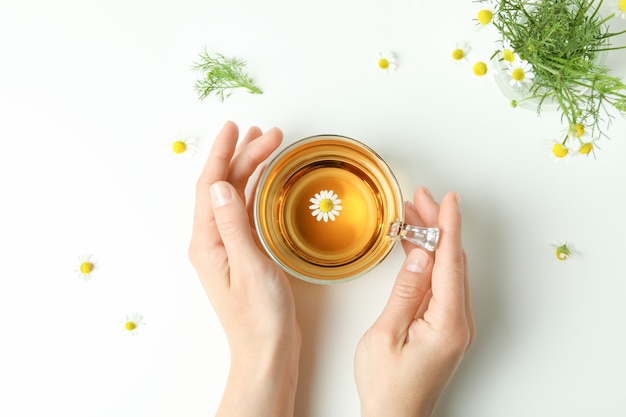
{"x":562,"y":40}
{"x":221,"y":76}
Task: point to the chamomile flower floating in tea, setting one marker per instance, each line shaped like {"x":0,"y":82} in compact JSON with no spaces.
{"x":386,"y":62}
{"x":459,"y":53}
{"x":132,"y":323}
{"x":85,"y":267}
{"x":325,"y":205}
{"x":619,"y":8}
{"x":521,"y":73}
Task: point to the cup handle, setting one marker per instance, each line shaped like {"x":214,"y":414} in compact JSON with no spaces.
{"x":426,"y":237}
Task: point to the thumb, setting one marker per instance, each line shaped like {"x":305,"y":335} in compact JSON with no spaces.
{"x":231,"y":220}
{"x":407,"y":294}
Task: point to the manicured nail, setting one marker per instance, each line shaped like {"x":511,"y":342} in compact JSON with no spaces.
{"x":416,"y":261}
{"x":220,"y":194}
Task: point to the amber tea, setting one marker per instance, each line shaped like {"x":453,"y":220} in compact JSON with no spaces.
{"x":325,"y":209}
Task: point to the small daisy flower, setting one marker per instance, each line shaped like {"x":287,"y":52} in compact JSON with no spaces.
{"x":563,"y":252}
{"x":484,"y":17}
{"x":132,"y":323}
{"x":580,"y":141}
{"x":521,"y":73}
{"x":507,"y":53}
{"x":182,"y":147}
{"x":460,"y":51}
{"x":619,"y":8}
{"x":85,"y":267}
{"x":479,"y":68}
{"x":560,"y":150}
{"x":386,"y":62}
{"x":325,"y":205}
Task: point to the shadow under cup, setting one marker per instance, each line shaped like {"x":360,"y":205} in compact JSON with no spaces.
{"x":329,"y":209}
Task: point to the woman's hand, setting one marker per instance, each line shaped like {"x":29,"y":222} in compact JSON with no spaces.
{"x":405,"y":360}
{"x":248,"y":291}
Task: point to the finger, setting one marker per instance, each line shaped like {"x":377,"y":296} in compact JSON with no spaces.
{"x":449,"y":274}
{"x":231,"y":220}
{"x":252,"y":196}
{"x":469,"y":313}
{"x":426,"y":206}
{"x":251,"y":155}
{"x":252,"y":133}
{"x":407,"y":295}
{"x":215,"y":169}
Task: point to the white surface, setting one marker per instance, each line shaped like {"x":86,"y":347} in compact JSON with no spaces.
{"x":92,"y":91}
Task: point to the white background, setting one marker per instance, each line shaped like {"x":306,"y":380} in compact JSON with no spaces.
{"x":93,"y":92}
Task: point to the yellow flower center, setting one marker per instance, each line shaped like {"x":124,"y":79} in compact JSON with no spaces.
{"x":179,"y":147}
{"x":559,"y":150}
{"x":518,"y":74}
{"x":130,"y":326}
{"x":622,"y":5}
{"x":563,"y":252}
{"x":458,"y":54}
{"x":508,"y":55}
{"x":484,"y":16}
{"x":586,"y":148}
{"x":480,"y":69}
{"x":579,"y":128}
{"x":383,"y":63}
{"x":326,"y":205}
{"x":86,"y":267}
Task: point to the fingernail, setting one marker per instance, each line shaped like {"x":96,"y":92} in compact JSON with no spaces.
{"x":220,"y":194}
{"x":427,"y":191}
{"x":416,"y":261}
{"x":457,"y":197}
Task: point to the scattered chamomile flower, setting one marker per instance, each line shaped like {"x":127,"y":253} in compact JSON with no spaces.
{"x":460,"y":51}
{"x":563,"y":252}
{"x":85,"y":267}
{"x":386,"y":62}
{"x":181,"y":147}
{"x":484,"y":17}
{"x":619,"y":8}
{"x":577,"y":131}
{"x":580,"y":141}
{"x":560,"y":149}
{"x":132,"y":323}
{"x":521,"y":73}
{"x":325,"y":205}
{"x":479,"y":68}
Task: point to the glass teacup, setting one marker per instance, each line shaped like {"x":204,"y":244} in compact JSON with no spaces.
{"x":329,"y":209}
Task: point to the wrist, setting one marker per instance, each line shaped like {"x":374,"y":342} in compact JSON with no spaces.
{"x":262,"y":381}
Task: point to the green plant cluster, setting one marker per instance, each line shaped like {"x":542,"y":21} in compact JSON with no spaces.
{"x":563,"y":41}
{"x":221,"y":76}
